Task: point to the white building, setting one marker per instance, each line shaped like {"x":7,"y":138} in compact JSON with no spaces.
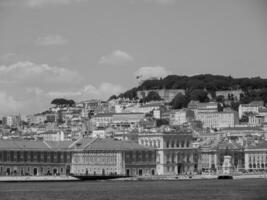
{"x":218,"y":119}
{"x":252,"y":107}
{"x":179,"y":117}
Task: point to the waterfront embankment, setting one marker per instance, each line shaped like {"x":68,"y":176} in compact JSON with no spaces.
{"x":36,"y":178}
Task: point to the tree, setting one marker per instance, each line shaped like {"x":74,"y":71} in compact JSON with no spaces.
{"x":161,"y":122}
{"x":112,"y":97}
{"x":179,"y":101}
{"x":199,"y":95}
{"x":152,"y":96}
{"x":63,"y":102}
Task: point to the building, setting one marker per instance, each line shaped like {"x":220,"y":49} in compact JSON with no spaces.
{"x":52,"y":136}
{"x":97,"y":156}
{"x":230,"y":94}
{"x":218,"y":119}
{"x":212,"y":156}
{"x":34,"y":158}
{"x":199,"y":107}
{"x":256,"y":157}
{"x":252,"y":107}
{"x":11,"y":120}
{"x":175,"y":153}
{"x":179,"y":117}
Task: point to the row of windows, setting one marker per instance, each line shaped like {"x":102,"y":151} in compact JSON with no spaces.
{"x":34,"y":156}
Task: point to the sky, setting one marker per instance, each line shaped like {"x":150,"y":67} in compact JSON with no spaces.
{"x":84,"y":49}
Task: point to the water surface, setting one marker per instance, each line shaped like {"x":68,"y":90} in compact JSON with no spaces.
{"x":255,"y":189}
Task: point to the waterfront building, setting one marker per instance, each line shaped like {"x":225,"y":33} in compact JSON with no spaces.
{"x":256,"y":157}
{"x":34,"y":158}
{"x":175,"y":153}
{"x":97,"y":156}
{"x":212,"y":155}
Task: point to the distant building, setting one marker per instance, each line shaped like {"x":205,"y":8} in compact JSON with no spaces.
{"x":252,"y":107}
{"x":11,"y":120}
{"x":230,"y":94}
{"x":199,"y":107}
{"x":52,"y":136}
{"x":218,"y":119}
{"x":179,"y":117}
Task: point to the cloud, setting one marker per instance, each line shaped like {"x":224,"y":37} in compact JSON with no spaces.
{"x":151,"y":72}
{"x":40,"y":3}
{"x":29,"y":73}
{"x":163,"y":2}
{"x":8,"y":104}
{"x":51,"y":40}
{"x":117,"y":57}
{"x":103,"y":91}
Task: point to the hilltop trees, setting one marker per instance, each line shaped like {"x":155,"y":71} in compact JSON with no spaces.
{"x":60,"y":102}
{"x":179,"y":101}
{"x":152,"y":96}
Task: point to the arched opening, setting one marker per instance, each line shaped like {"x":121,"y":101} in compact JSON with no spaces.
{"x":152,"y":172}
{"x":54,"y":171}
{"x":127,"y":172}
{"x":140,"y":172}
{"x":35,"y":171}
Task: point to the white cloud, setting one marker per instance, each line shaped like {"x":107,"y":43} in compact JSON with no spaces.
{"x":51,"y":40}
{"x":164,"y":2}
{"x":151,"y":72}
{"x":8,"y":104}
{"x":40,"y":3}
{"x":103,"y":91}
{"x":117,"y":57}
{"x":29,"y":73}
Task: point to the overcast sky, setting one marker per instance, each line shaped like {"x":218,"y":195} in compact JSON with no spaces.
{"x":85,"y":49}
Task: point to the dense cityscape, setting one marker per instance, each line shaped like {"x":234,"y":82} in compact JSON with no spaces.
{"x":151,"y":132}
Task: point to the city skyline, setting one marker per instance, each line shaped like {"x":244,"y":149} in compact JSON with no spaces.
{"x":84,"y":49}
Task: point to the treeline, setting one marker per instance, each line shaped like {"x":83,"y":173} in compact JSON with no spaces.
{"x":207,"y":82}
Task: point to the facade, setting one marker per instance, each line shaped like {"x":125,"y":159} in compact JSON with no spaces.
{"x":179,"y":117}
{"x":97,"y":156}
{"x":230,"y":94}
{"x":256,"y":157}
{"x":175,"y":153}
{"x":52,"y":136}
{"x":252,"y":107}
{"x":11,"y":120}
{"x":218,"y":119}
{"x":34,"y":158}
{"x":212,"y":156}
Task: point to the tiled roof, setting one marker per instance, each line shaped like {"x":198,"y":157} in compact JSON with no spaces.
{"x":226,"y":145}
{"x":262,"y":145}
{"x":22,"y":145}
{"x":60,"y":145}
{"x":113,"y":145}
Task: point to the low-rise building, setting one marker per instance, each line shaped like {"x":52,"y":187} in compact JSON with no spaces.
{"x":97,"y":156}
{"x":252,"y":107}
{"x":34,"y":158}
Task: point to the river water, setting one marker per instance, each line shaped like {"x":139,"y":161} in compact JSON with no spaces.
{"x":255,"y":189}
